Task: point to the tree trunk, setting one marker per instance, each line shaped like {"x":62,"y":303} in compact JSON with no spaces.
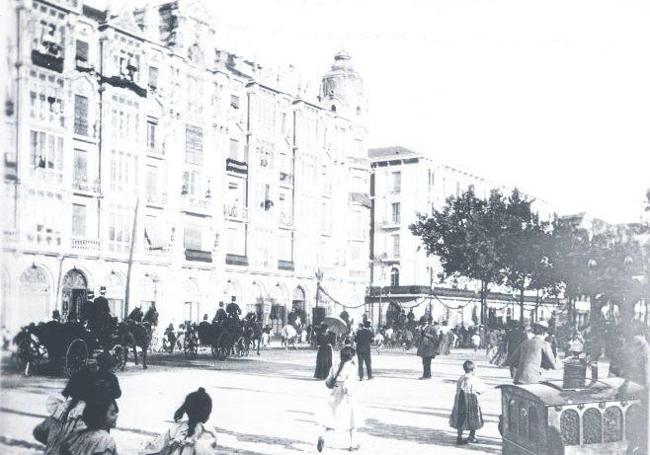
{"x":521,"y":305}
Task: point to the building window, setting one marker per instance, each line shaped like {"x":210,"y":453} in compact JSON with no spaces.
{"x":152,"y":182}
{"x":396,"y":181}
{"x":194,"y":145}
{"x":78,"y":220}
{"x":394,"y":277}
{"x":234,"y":149}
{"x":395,"y":239}
{"x":153,"y":77}
{"x":46,"y":151}
{"x":81,"y":115}
{"x":119,"y":229}
{"x":123,"y":171}
{"x":234,"y":101}
{"x":81,"y":52}
{"x":192,"y":236}
{"x":152,"y":127}
{"x":192,"y":182}
{"x":395,"y":212}
{"x":80,"y":177}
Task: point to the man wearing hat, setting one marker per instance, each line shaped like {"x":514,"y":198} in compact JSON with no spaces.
{"x":363,"y":339}
{"x":531,"y":355}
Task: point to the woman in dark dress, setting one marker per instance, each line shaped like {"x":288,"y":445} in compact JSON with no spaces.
{"x":324,"y":355}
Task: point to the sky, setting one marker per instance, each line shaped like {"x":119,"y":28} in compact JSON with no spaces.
{"x":550,"y":96}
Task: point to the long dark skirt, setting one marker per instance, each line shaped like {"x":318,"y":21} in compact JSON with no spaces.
{"x":466,"y":414}
{"x":323,"y":361}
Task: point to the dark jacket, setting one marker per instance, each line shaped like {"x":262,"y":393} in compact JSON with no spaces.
{"x":363,"y":339}
{"x":429,"y":342}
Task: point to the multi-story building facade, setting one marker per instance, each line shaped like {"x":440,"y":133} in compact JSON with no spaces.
{"x":148,"y":162}
{"x":403,"y":184}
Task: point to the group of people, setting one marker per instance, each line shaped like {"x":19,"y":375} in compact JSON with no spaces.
{"x":81,"y":419}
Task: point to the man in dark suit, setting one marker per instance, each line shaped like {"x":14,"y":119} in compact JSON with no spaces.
{"x":363,"y":339}
{"x":220,"y":315}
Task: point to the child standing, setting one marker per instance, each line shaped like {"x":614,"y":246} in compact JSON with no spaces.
{"x":341,"y":412}
{"x":187,"y":437}
{"x":466,"y":414}
{"x":100,"y":416}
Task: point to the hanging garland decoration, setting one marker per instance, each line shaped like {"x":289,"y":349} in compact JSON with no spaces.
{"x":422,"y":300}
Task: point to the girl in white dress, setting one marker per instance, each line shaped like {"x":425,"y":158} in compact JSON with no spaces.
{"x":341,"y":412}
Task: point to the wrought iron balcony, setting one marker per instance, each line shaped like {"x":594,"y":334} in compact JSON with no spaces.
{"x":285,"y":265}
{"x":235,"y":212}
{"x":238,"y":167}
{"x":236,"y":259}
{"x":83,"y":184}
{"x":85,"y":245}
{"x":286,"y":219}
{"x":157,"y":199}
{"x":156,"y":252}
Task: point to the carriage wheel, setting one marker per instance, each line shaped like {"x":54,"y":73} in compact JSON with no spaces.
{"x":76,"y":356}
{"x":28,"y":356}
{"x":190,"y":348}
{"x":223,"y":346}
{"x":117,"y":353}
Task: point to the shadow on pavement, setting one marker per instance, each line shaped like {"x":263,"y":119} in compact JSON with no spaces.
{"x":430,"y":436}
{"x":286,"y":443}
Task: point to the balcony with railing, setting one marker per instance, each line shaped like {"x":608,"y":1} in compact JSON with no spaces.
{"x":286,"y":220}
{"x":156,"y":199}
{"x":85,"y":185}
{"x":235,"y":212}
{"x":286,"y":179}
{"x":192,"y":202}
{"x":83,"y":245}
{"x":160,"y":252}
{"x":9,"y":237}
{"x":390,"y":223}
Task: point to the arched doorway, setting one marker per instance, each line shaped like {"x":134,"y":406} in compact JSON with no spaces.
{"x":115,"y":294}
{"x":34,"y":297}
{"x":74,"y":294}
{"x":259,"y":303}
{"x":192,"y":304}
{"x":298,"y":303}
{"x":394,"y":277}
{"x":278,"y":316}
{"x":148,"y":291}
{"x":232,"y":293}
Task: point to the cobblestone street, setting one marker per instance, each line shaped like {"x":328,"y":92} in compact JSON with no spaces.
{"x":268,"y":405}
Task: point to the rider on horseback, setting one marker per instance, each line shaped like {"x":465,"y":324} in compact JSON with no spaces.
{"x":151,"y":315}
{"x":136,"y":315}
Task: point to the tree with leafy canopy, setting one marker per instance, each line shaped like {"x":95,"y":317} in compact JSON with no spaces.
{"x":466,"y":235}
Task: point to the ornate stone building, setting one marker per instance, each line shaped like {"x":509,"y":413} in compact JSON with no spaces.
{"x":404,"y":183}
{"x":145,"y":161}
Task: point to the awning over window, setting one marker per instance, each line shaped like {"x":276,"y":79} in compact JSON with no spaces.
{"x":361,"y":198}
{"x":153,"y":234}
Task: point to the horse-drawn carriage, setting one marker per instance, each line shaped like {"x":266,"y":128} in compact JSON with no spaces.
{"x":229,"y":337}
{"x":69,"y":345}
{"x":64,"y":346}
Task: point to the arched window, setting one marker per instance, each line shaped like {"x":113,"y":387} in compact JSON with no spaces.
{"x":593,"y":426}
{"x":570,"y":427}
{"x":34,"y":292}
{"x":394,"y":277}
{"x":613,"y":422}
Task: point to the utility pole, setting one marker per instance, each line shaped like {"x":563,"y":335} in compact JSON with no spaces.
{"x":130,"y":266}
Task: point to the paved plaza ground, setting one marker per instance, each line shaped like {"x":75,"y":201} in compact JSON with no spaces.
{"x":268,"y":404}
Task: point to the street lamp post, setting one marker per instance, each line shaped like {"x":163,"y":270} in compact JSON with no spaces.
{"x":379,"y":260}
{"x":319,"y":278}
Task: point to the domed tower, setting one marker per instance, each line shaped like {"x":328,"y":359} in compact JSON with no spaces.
{"x":342,"y":88}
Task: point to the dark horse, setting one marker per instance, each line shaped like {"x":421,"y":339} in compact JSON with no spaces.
{"x":253,"y":334}
{"x":135,"y":335}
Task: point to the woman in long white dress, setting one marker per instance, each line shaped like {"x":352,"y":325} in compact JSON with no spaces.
{"x":341,"y":412}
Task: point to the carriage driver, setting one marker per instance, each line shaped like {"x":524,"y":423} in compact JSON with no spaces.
{"x":220,"y":315}
{"x":136,"y":315}
{"x":99,"y":315}
{"x":233,"y":309}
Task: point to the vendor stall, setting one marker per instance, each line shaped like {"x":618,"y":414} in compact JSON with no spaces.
{"x":603,"y":417}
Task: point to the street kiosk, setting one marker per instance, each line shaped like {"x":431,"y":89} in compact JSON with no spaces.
{"x":603,"y":417}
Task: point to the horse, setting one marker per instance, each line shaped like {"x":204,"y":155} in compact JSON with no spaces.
{"x":253,"y":333}
{"x":132,"y":334}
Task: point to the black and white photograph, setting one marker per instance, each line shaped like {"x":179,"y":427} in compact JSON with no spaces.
{"x":283,"y":227}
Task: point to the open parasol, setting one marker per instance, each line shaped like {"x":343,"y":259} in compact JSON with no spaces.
{"x":336,"y":325}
